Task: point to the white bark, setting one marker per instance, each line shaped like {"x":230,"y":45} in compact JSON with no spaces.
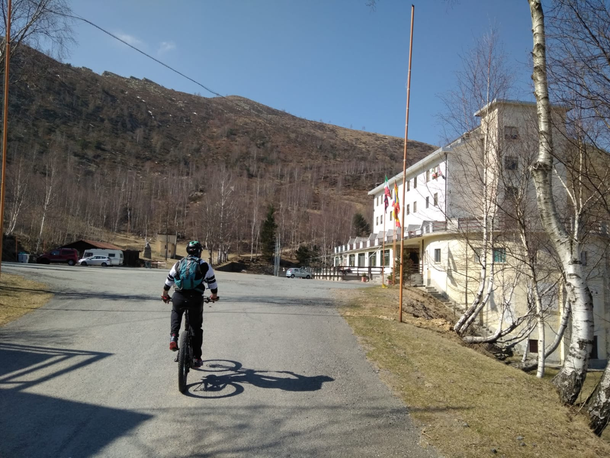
{"x":572,"y":375}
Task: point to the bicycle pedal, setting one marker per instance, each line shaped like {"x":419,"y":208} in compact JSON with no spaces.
{"x":176,"y":359}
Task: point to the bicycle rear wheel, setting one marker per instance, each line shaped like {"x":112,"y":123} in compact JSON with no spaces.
{"x":184,"y":361}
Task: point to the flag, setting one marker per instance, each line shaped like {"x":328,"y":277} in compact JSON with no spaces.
{"x":396,"y":205}
{"x":387,"y":195}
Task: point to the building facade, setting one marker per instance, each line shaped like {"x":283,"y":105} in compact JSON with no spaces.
{"x":468,"y":207}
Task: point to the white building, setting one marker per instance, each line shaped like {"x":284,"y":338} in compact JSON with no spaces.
{"x":447,"y":206}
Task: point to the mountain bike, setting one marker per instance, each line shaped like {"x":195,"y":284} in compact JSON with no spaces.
{"x":185,"y":348}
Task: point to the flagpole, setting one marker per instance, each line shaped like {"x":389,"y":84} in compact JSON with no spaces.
{"x":383,"y":253}
{"x":394,"y":257}
{"x":404,"y":168}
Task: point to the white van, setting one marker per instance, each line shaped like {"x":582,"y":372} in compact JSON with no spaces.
{"x":116,"y":256}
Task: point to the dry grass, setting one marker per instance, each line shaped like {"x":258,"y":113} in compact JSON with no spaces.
{"x":16,"y":302}
{"x":467,"y":403}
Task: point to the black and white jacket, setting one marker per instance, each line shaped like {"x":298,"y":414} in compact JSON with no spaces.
{"x":208,"y":276}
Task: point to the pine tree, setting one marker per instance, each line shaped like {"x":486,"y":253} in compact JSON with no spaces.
{"x":361,"y":227}
{"x":267,"y":234}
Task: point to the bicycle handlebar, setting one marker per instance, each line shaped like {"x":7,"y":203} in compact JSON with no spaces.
{"x":206,"y":299}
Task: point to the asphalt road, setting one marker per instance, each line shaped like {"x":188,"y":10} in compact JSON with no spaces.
{"x":90,"y":374}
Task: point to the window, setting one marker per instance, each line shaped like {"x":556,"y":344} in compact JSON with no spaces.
{"x":414,"y":182}
{"x":427,"y":201}
{"x":437,"y":255}
{"x":511,"y":133}
{"x":111,"y":255}
{"x":386,"y":258}
{"x":381,"y":219}
{"x":499,"y":255}
{"x":533,"y":345}
{"x":408,"y":210}
{"x":414,"y":207}
{"x":373,"y":258}
{"x":377,"y":221}
{"x":476,"y":256}
{"x":511,"y":162}
{"x":593,"y":354}
{"x":583,"y":258}
{"x":352,"y":260}
{"x":427,"y":175}
{"x":391,"y":213}
{"x":361,"y":259}
{"x":408,"y":185}
{"x":436,"y":199}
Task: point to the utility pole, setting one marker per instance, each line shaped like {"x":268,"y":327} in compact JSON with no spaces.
{"x":276,"y":261}
{"x":7,"y":55}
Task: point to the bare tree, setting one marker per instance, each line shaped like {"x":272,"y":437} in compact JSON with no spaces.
{"x":38,"y":23}
{"x":570,"y":378}
{"x":580,"y":76}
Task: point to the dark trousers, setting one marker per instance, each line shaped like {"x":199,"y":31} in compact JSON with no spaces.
{"x":194,"y":303}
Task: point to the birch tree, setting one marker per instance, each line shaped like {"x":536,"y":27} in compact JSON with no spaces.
{"x":571,"y":377}
{"x":49,"y":182}
{"x":483,"y":78}
{"x":580,"y":71}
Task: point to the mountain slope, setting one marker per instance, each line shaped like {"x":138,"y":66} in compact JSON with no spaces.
{"x":125,"y":126}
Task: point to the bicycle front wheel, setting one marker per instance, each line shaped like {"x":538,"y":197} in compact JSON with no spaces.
{"x":184,"y":361}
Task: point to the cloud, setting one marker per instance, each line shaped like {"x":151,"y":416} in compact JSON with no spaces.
{"x":165,"y":47}
{"x":133,"y":41}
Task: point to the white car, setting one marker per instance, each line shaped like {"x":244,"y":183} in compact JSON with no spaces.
{"x":96,"y":260}
{"x":298,"y":273}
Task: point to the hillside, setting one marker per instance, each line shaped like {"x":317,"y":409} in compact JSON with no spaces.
{"x":137,"y":132}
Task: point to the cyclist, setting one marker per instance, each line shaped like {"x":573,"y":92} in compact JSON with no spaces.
{"x":191,"y":298}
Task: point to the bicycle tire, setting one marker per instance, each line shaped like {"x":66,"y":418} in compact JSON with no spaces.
{"x":184,"y":361}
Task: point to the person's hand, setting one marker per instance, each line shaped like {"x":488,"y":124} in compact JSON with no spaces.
{"x":213,"y":297}
{"x":165,"y":297}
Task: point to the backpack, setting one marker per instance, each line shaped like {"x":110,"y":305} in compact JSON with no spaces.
{"x":189,"y":275}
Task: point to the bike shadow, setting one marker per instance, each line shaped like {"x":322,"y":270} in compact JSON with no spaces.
{"x":225,"y":378}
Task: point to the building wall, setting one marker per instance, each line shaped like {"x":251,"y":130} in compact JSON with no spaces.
{"x":424,"y":197}
{"x":498,"y":153}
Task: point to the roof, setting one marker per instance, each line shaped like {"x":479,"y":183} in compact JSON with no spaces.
{"x":94,"y":244}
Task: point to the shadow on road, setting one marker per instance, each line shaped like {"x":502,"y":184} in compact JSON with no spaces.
{"x":6,"y":290}
{"x":287,"y":300}
{"x":23,"y":366}
{"x":226,"y":378}
{"x":35,"y":425}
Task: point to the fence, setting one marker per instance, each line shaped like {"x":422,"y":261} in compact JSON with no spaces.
{"x":343,"y":273}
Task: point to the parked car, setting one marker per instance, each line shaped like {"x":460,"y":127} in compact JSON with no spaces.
{"x":298,"y":273}
{"x":96,"y":260}
{"x":116,"y":256}
{"x":67,"y":255}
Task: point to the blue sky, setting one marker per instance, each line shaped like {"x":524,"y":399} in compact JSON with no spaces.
{"x":336,"y":61}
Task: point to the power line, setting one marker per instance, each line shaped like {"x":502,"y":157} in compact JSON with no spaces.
{"x":140,"y":51}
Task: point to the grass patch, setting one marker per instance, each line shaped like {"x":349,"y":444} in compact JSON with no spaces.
{"x":466,"y":403}
{"x":20,"y":296}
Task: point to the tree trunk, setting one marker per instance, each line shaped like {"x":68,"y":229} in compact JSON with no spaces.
{"x":599,"y":405}
{"x":572,"y":375}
